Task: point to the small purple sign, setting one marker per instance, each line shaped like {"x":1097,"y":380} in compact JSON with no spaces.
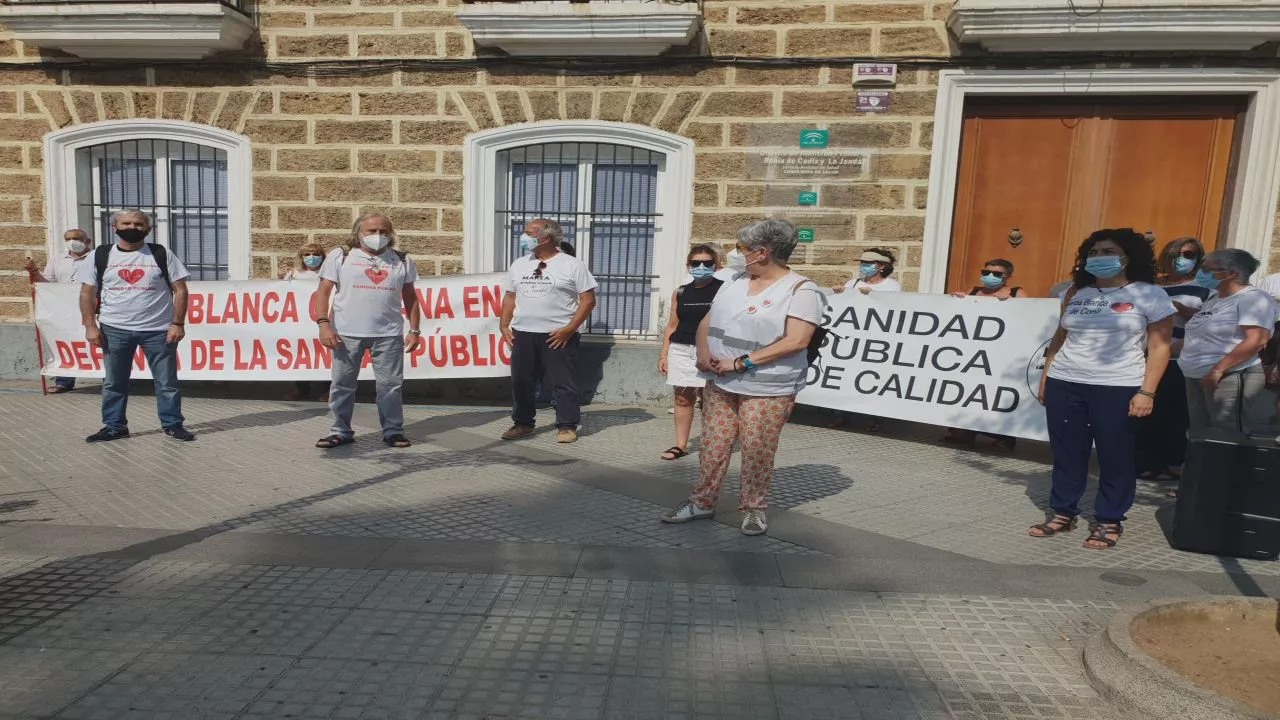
{"x":871,"y":101}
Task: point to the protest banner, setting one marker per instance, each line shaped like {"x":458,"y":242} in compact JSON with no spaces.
{"x":972,"y":363}
{"x":266,"y":330}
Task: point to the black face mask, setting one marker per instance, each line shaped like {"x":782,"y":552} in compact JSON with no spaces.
{"x":132,"y":235}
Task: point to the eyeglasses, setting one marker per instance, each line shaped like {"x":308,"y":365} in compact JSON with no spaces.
{"x":1190,"y":254}
{"x":709,"y":264}
{"x":993,"y":273}
{"x":541,"y":266}
{"x":743,"y":248}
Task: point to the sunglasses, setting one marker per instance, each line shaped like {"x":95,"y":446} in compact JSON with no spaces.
{"x":1190,"y":254}
{"x":993,"y":273}
{"x":709,"y":264}
{"x":541,"y":266}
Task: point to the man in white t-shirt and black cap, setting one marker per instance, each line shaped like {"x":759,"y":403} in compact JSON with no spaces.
{"x":549,"y":295}
{"x":62,"y":268}
{"x":374,"y":282}
{"x":133,"y":294}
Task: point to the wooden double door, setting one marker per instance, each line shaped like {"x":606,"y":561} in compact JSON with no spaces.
{"x":1037,"y":176}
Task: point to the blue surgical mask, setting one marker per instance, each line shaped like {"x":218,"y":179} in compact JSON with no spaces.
{"x":702,"y":272}
{"x":527,"y":243}
{"x":991,"y":282}
{"x":312,"y":261}
{"x":1104,"y":267}
{"x":868,"y":269}
{"x":1205,"y":279}
{"x":1184,"y":265}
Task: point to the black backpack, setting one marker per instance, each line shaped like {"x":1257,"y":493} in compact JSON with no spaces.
{"x":102,"y":255}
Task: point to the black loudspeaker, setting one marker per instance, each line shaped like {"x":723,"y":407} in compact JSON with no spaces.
{"x":1229,"y":497}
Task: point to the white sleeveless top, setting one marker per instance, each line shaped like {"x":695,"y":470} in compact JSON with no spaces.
{"x":742,"y":324}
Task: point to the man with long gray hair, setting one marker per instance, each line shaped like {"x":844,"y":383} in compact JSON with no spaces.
{"x":134,"y":295}
{"x":549,"y":294}
{"x":374,"y":281}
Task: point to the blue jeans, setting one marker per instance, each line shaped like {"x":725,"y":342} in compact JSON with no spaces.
{"x":162,"y":358}
{"x":1082,"y":417}
{"x":387,"y":355}
{"x":65,"y":382}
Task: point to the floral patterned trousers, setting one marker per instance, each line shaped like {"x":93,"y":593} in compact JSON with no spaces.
{"x":755,"y":422}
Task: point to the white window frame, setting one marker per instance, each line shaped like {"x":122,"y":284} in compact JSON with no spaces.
{"x":1256,"y":182}
{"x":485,"y":181}
{"x":61,"y":187}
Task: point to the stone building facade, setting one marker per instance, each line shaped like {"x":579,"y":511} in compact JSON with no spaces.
{"x":329,"y":142}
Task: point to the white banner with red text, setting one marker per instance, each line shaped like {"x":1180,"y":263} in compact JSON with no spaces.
{"x":266,"y":330}
{"x":970,"y":363}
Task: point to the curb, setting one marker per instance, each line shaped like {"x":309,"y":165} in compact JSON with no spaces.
{"x":1145,"y":688}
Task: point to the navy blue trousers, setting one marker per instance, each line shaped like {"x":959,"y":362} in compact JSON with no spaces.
{"x":1082,"y":417}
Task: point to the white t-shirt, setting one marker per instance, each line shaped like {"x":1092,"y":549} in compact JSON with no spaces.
{"x":742,"y":323}
{"x":301,"y":275}
{"x":886,"y":285}
{"x":1219,"y":327}
{"x":547,"y":301}
{"x":1107,"y":334}
{"x":368,"y":302}
{"x":1270,"y":285}
{"x":63,"y":268}
{"x":134,"y":295}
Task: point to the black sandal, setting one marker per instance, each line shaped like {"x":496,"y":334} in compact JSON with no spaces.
{"x":398,"y":441}
{"x":676,"y":452}
{"x":1099,"y":534}
{"x":1053,"y":526}
{"x":333,"y":441}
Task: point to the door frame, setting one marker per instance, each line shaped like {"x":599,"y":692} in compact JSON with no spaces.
{"x":1256,"y":183}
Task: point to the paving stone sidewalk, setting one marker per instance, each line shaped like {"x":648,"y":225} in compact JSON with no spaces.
{"x":249,"y":575}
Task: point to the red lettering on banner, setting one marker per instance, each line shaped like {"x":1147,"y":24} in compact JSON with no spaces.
{"x":438,"y":349}
{"x":492,"y":300}
{"x":199,"y":355}
{"x":257,"y":359}
{"x":66,"y":358}
{"x":95,"y":353}
{"x":80,"y":350}
{"x":304,"y":355}
{"x":195,"y":308}
{"x":504,"y":350}
{"x":322,"y":354}
{"x":443,"y":308}
{"x":311,"y":307}
{"x":470,"y":301}
{"x":458,"y":348}
{"x":286,"y":357}
{"x":140,"y":359}
{"x":477,"y":358}
{"x":418,"y":352}
{"x":249,"y":307}
{"x":290,"y":311}
{"x":268,"y":312}
{"x":231,"y":309}
{"x":217,"y":349}
{"x":366,"y":361}
{"x":424,"y":301}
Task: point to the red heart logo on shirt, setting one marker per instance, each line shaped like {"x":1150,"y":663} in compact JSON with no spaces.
{"x":1122,"y":307}
{"x":376,"y":274}
{"x":131,"y":276}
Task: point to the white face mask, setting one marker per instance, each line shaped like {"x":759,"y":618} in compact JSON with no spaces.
{"x":527,"y":243}
{"x":736,"y":261}
{"x":376,"y":243}
{"x":76,"y":246}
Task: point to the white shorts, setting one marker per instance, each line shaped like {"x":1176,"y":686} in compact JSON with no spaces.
{"x":682,"y":368}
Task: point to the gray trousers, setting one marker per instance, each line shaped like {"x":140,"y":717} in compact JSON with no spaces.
{"x":1241,"y":403}
{"x":388,"y":374}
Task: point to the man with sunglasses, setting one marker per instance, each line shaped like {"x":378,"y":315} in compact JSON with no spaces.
{"x":548,"y":296}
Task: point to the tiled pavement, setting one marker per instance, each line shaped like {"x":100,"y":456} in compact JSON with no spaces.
{"x":247,"y":575}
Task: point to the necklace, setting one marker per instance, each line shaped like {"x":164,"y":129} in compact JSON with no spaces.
{"x":1113,"y":290}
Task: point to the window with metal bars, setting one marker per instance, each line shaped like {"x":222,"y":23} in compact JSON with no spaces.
{"x":181,"y":185}
{"x":605,"y":198}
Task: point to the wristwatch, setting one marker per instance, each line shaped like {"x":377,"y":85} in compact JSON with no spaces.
{"x":415,"y":332}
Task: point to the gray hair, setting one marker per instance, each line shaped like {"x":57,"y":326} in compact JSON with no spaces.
{"x":1234,"y":260}
{"x":778,"y":235}
{"x":744,"y":232}
{"x":75,"y":230}
{"x":548,"y":228}
{"x":128,"y":212}
{"x":354,"y":240}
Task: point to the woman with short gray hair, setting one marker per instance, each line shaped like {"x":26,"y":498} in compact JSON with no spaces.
{"x":752,"y":346}
{"x":1226,"y":385}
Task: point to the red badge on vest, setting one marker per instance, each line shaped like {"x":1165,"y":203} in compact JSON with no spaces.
{"x":751,"y":309}
{"x":376,"y":274}
{"x":131,"y":276}
{"x":767,"y":303}
{"x":1122,"y":307}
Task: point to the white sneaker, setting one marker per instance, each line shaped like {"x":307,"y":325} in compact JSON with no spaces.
{"x":754,"y":522}
{"x":687,"y":512}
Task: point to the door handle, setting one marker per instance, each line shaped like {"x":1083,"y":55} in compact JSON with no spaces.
{"x":1015,"y":237}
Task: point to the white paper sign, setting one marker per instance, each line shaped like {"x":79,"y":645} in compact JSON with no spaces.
{"x":972,"y":363}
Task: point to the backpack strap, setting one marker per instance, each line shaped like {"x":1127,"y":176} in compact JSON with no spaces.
{"x":101,"y":256}
{"x":161,"y":254}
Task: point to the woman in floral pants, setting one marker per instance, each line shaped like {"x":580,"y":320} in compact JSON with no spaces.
{"x":752,"y":349}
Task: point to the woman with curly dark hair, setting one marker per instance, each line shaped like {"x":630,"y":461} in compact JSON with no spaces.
{"x":1097,"y":378}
